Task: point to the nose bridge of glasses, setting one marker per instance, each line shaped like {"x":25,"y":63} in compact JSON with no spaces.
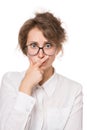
{"x":40,"y":48}
{"x":40,"y":52}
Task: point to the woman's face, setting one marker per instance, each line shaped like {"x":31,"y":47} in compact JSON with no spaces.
{"x":36,"y":36}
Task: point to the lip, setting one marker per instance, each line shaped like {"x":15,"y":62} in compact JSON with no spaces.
{"x":44,"y":62}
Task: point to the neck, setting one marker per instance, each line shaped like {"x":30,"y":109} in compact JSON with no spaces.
{"x":47,"y":74}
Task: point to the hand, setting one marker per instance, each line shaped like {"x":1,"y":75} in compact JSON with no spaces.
{"x":33,"y":76}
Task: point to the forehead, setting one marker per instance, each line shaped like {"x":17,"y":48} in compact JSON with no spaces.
{"x":36,"y":35}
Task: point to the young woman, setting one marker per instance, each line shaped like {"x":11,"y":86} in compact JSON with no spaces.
{"x":40,"y":99}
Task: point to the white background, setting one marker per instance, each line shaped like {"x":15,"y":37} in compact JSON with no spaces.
{"x":73,"y":63}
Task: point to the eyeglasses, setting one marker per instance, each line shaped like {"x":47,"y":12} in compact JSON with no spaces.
{"x":48,"y":48}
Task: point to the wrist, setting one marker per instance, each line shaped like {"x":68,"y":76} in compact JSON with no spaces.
{"x":25,"y":89}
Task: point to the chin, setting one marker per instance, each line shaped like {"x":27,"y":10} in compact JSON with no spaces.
{"x":45,"y":67}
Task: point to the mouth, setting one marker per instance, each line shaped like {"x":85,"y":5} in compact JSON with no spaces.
{"x":44,"y":63}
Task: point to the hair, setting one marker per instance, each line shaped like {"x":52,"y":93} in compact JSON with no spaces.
{"x":50,"y":26}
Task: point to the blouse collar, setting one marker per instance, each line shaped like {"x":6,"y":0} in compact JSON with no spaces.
{"x":50,"y":85}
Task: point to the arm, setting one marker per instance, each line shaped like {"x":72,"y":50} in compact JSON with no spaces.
{"x":15,"y":108}
{"x":75,"y":119}
{"x":16,"y":105}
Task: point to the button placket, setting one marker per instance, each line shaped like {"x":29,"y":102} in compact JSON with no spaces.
{"x":40,"y":106}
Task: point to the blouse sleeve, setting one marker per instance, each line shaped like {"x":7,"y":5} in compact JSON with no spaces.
{"x":15,"y":107}
{"x":75,"y":119}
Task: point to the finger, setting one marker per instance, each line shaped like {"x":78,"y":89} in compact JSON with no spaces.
{"x":41,"y":61}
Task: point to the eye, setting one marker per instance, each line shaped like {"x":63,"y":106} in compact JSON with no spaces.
{"x":48,"y":45}
{"x":33,"y":45}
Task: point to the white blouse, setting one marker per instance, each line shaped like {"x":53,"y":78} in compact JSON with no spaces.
{"x":56,"y":105}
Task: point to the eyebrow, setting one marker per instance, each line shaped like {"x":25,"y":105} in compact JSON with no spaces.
{"x":30,"y":42}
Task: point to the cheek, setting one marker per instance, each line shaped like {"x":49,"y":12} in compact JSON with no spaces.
{"x":51,"y":59}
{"x":33,"y":59}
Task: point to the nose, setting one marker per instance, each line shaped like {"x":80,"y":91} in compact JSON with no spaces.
{"x":41,"y":53}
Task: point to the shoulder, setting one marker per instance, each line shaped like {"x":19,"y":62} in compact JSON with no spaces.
{"x":13,"y":75}
{"x":12,"y":78}
{"x":69,"y":90}
{"x":69,"y":85}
